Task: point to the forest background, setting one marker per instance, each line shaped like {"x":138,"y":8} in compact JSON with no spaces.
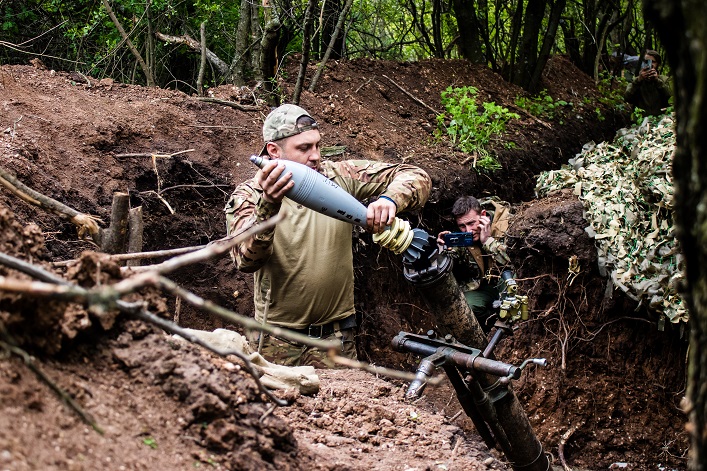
{"x":195,"y":45}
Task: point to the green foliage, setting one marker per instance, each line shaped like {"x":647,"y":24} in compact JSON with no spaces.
{"x":150,"y":441}
{"x":543,"y":105}
{"x":471,"y":127}
{"x":612,"y":91}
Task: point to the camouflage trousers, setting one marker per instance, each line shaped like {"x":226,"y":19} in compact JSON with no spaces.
{"x":481,"y":301}
{"x":288,"y":353}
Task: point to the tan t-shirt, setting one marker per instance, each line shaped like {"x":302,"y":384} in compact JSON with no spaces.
{"x":306,"y":261}
{"x":310,"y":271}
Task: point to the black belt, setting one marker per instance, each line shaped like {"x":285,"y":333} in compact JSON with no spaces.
{"x":325,"y":330}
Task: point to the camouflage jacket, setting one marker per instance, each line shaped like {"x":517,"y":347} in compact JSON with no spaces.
{"x":304,"y":266}
{"x":649,"y":95}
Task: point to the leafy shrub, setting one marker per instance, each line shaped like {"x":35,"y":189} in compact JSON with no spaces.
{"x":471,"y":127}
{"x":543,"y":105}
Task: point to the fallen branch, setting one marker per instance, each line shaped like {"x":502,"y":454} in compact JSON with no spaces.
{"x":7,"y":343}
{"x":561,"y":447}
{"x":232,"y":104}
{"x":211,"y":250}
{"x":193,"y":44}
{"x":58,"y":287}
{"x":415,"y":99}
{"x":137,"y":255}
{"x":154,"y":155}
{"x":85,"y":223}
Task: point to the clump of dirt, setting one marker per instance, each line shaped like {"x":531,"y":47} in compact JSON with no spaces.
{"x":179,"y":158}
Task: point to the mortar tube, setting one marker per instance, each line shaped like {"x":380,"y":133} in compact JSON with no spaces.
{"x":452,"y":314}
{"x":525,"y":452}
{"x":508,"y":420}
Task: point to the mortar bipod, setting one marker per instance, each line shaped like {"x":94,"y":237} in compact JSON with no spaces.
{"x":482,"y":387}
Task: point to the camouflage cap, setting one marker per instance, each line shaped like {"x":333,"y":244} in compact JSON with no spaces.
{"x":282,"y":123}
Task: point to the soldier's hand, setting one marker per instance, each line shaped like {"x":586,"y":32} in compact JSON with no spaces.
{"x":379,"y":214}
{"x":484,"y":228}
{"x":274,"y":187}
{"x":440,"y":239}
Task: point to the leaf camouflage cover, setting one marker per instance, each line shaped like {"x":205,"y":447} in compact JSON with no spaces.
{"x":627,"y":190}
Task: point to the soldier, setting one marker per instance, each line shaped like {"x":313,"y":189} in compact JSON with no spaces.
{"x":474,"y":265}
{"x":303,"y":268}
{"x":649,"y":90}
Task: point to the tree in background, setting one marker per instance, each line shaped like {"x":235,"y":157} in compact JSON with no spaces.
{"x":686,"y":51}
{"x":246,"y":42}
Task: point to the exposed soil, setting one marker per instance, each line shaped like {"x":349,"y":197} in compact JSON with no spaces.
{"x":609,"y":395}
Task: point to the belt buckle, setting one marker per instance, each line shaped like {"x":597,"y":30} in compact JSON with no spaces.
{"x":315,"y":328}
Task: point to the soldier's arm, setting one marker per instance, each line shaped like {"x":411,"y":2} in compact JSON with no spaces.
{"x":246,"y":207}
{"x":406,"y":185}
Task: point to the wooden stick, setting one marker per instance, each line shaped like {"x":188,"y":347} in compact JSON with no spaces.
{"x":115,"y":237}
{"x":211,"y":250}
{"x":86,"y":224}
{"x":561,"y":447}
{"x":135,"y":232}
{"x":232,"y":104}
{"x":137,"y":255}
{"x":415,"y":99}
{"x":156,"y":155}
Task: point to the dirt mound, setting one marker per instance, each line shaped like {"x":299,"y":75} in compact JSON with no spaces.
{"x":179,"y":158}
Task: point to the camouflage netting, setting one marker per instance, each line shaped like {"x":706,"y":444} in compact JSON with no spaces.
{"x":627,"y":190}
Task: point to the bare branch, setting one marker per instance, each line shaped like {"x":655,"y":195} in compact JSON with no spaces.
{"x":154,"y":155}
{"x":212,"y":249}
{"x":146,"y":70}
{"x":137,"y":255}
{"x":412,"y":97}
{"x":232,"y":104}
{"x":85,"y":223}
{"x":193,"y":44}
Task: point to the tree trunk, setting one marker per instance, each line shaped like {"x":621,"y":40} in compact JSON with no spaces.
{"x":268,"y":59}
{"x":337,"y":31}
{"x":149,"y":79}
{"x":550,"y":34}
{"x":516,"y":27}
{"x":681,"y":28}
{"x":469,"y":43}
{"x":306,"y":47}
{"x":262,"y":60}
{"x":331,"y":15}
{"x":527,"y":57}
{"x":240,"y":58}
{"x":437,"y":28}
{"x":202,"y":64}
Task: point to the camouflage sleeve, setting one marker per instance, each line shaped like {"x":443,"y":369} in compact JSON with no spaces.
{"x":497,"y":249}
{"x":408,"y":186}
{"x":246,"y":207}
